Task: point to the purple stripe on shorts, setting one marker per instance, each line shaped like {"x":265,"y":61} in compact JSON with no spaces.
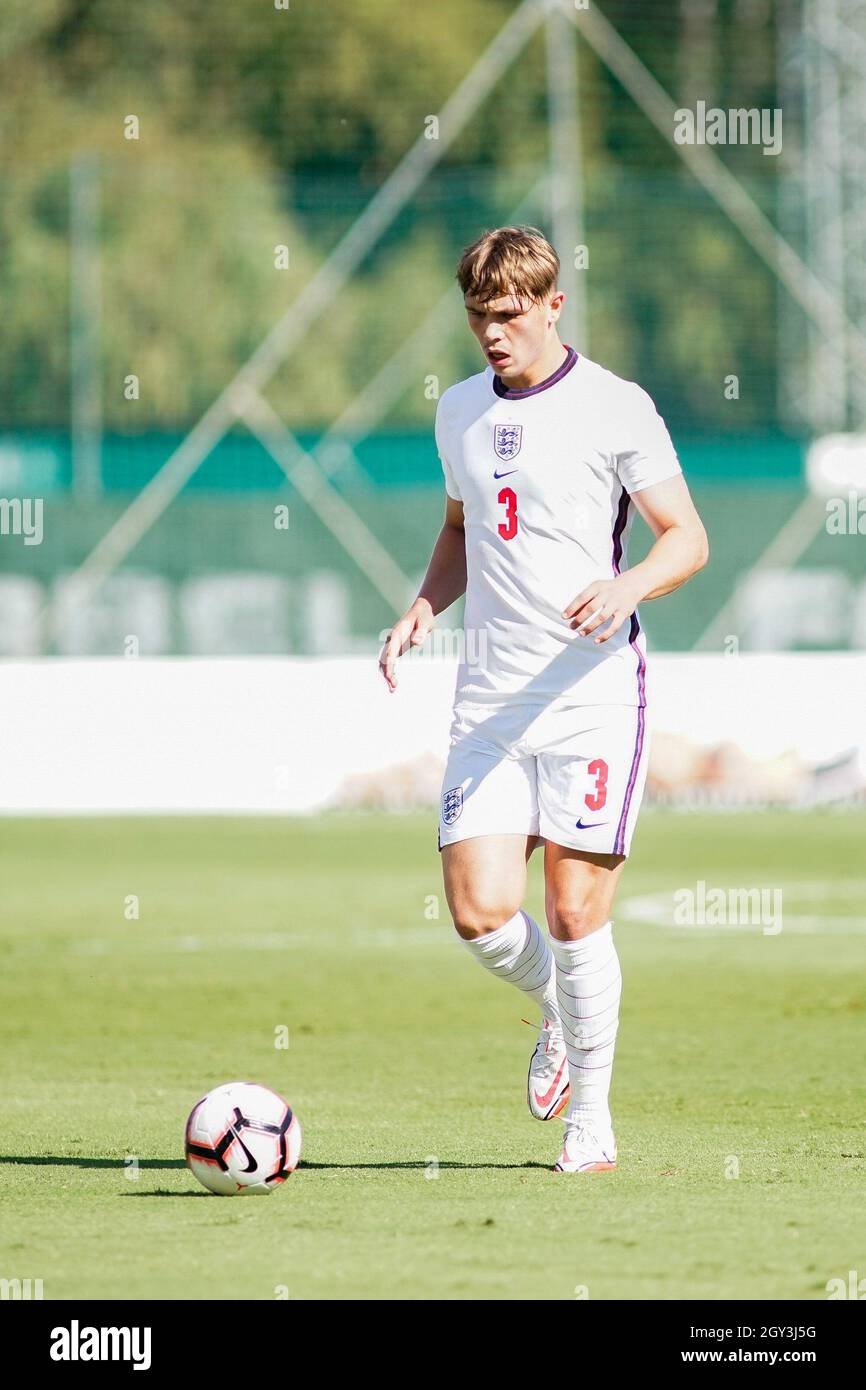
{"x":634,"y":632}
{"x":619,"y":842}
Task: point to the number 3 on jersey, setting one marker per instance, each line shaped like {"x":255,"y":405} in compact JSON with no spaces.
{"x":508,"y":527}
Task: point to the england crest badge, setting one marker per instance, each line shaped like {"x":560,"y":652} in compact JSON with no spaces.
{"x":507,"y":440}
{"x":452,"y":805}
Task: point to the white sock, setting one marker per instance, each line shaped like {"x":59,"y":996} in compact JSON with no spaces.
{"x":588,"y":987}
{"x":518,"y":952}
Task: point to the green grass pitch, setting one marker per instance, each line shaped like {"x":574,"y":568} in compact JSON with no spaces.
{"x":738,"y":1090}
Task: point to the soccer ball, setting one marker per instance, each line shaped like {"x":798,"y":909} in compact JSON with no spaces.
{"x":242,"y":1138}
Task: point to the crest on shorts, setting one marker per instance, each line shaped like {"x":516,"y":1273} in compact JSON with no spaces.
{"x":452,"y":804}
{"x":507,"y":440}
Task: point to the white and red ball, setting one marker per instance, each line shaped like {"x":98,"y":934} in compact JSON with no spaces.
{"x":242,"y":1138}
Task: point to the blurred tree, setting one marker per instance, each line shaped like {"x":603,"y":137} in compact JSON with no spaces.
{"x":261,"y":127}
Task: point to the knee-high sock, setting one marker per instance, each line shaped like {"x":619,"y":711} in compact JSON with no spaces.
{"x":518,"y":952}
{"x":588,"y":987}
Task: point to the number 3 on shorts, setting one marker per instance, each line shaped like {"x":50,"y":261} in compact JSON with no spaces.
{"x":595,"y":799}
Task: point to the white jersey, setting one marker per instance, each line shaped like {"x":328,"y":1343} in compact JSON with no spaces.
{"x":545,"y":476}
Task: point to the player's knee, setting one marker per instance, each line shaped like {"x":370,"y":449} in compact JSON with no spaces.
{"x":474,"y":917}
{"x":571,"y":920}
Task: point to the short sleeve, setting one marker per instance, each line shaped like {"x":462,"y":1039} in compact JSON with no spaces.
{"x":647,"y":453}
{"x":442,"y":445}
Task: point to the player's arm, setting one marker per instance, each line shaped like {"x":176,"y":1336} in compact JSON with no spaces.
{"x":680,"y":550}
{"x":443,"y":583}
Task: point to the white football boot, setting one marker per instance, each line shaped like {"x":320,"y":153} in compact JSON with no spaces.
{"x":547,"y":1088}
{"x":589,"y":1147}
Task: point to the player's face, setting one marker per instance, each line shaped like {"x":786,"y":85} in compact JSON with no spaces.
{"x":513,"y":331}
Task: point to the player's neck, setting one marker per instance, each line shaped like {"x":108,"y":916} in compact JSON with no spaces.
{"x":544,"y":366}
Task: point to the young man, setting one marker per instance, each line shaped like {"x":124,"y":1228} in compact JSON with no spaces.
{"x":546,"y":457}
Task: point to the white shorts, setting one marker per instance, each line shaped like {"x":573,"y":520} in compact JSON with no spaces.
{"x":574,"y":776}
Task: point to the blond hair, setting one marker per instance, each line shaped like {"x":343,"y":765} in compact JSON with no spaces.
{"x":509,"y":260}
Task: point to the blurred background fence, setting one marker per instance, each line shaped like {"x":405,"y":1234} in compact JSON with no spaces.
{"x":178,"y":181}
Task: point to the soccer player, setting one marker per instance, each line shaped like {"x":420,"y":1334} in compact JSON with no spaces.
{"x":546,"y":457}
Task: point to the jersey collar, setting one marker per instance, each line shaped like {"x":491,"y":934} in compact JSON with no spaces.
{"x":561,"y":371}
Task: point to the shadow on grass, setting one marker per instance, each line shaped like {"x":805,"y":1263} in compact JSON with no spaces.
{"x":73,"y":1161}
{"x":164,"y":1192}
{"x":416,"y":1164}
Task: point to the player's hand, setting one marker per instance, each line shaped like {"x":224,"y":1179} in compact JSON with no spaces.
{"x":410,"y":631}
{"x":603,"y":607}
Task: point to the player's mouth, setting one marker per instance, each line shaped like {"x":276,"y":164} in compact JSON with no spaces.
{"x":498,"y":359}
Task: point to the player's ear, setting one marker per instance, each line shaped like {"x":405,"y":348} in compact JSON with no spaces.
{"x":557,"y":299}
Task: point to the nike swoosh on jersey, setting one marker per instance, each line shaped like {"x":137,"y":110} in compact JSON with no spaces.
{"x":506,"y":474}
{"x":592,"y":826}
{"x":542,"y":1101}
